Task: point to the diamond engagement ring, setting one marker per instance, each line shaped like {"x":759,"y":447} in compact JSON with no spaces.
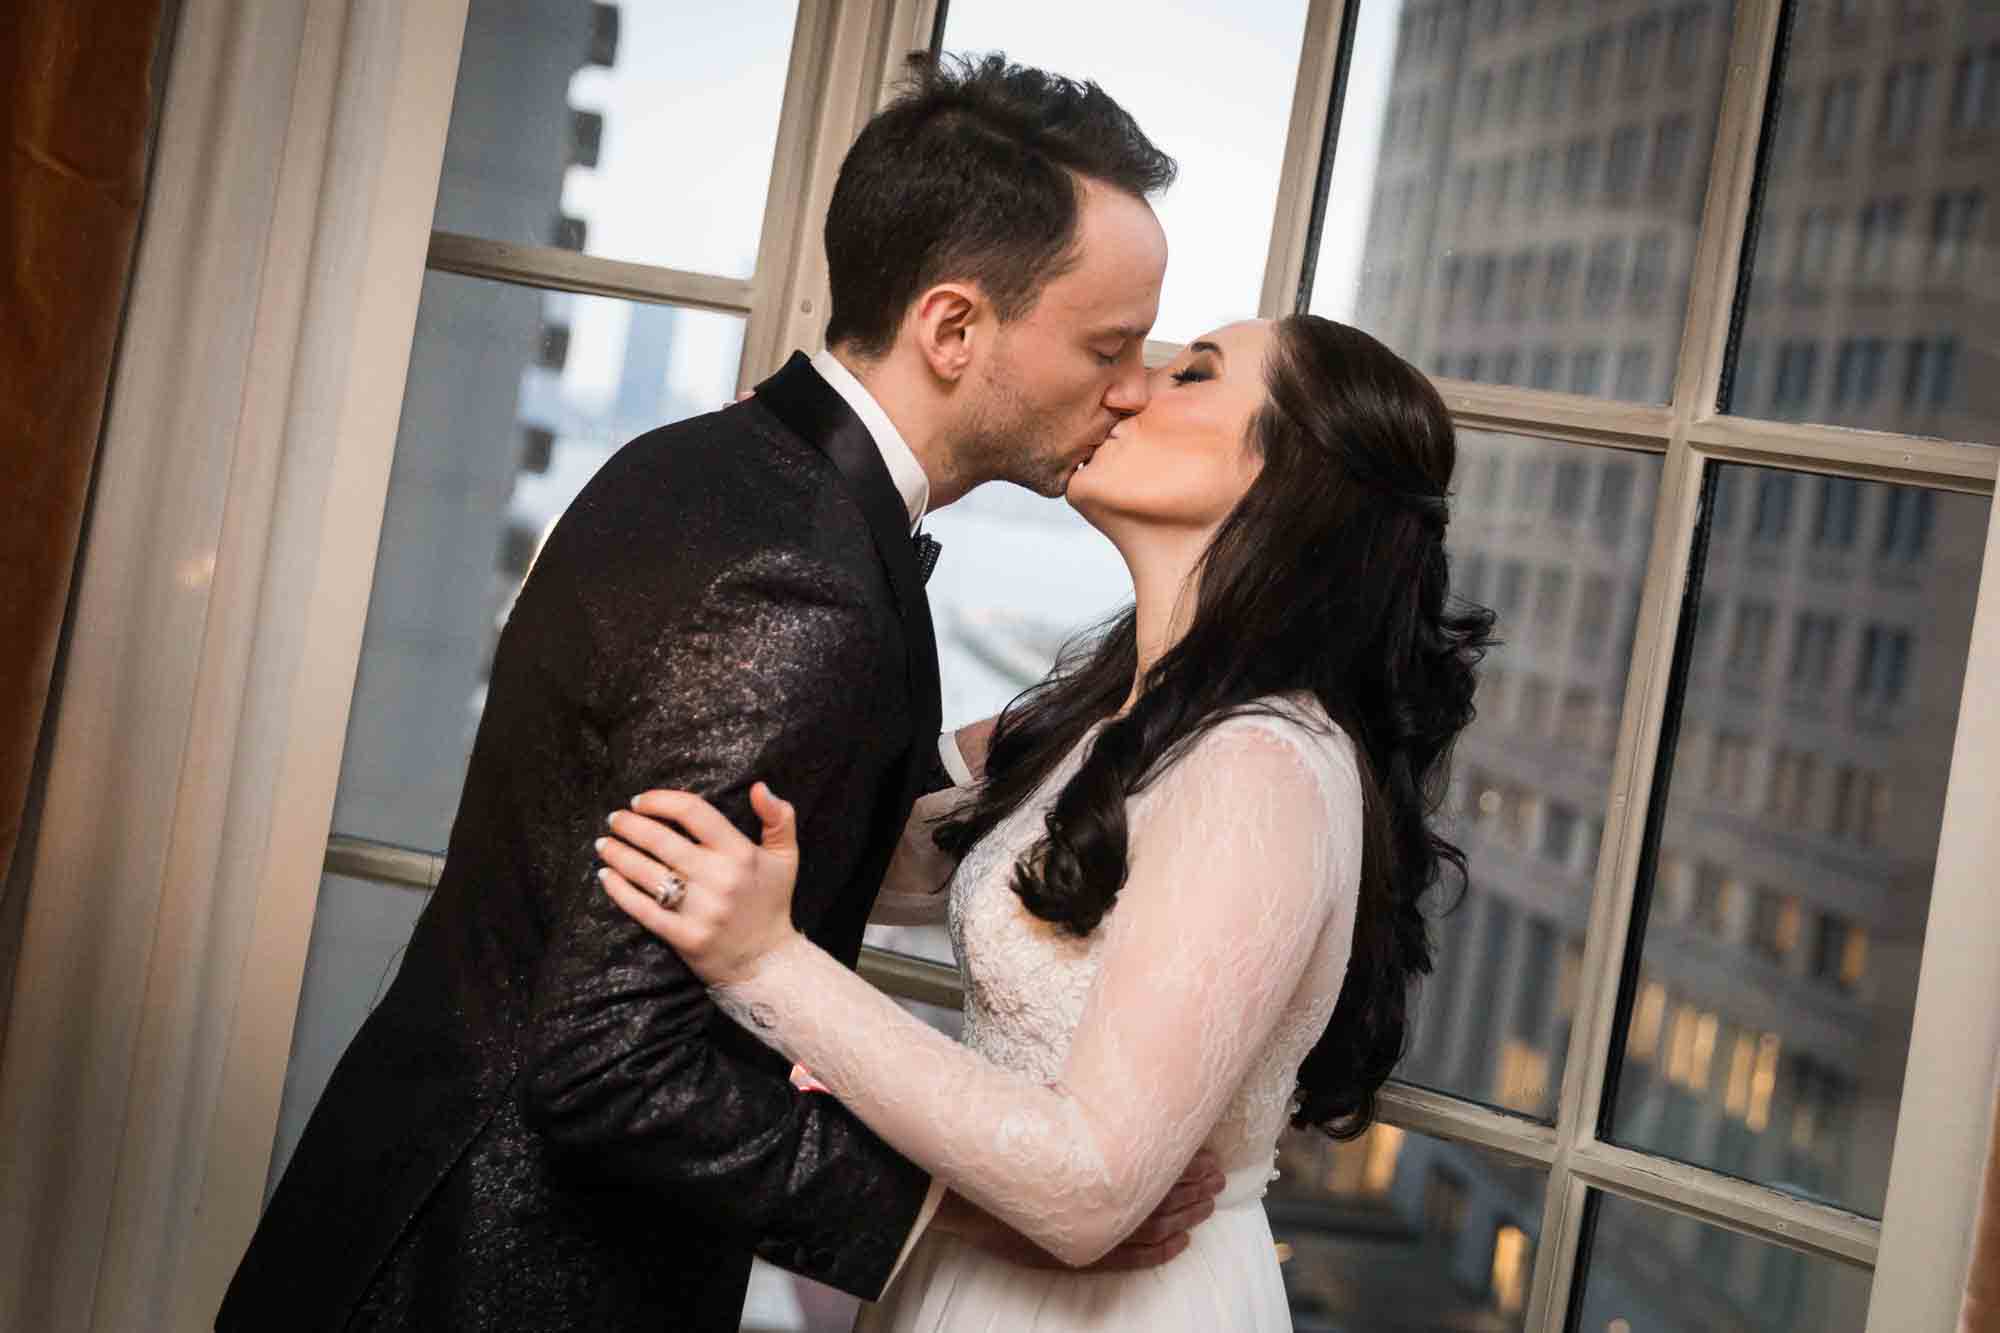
{"x":669,"y":891}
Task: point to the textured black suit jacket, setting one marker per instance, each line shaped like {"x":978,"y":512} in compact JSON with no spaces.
{"x":546,"y":1124}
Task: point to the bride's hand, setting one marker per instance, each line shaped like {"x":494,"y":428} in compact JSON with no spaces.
{"x":736,"y":907}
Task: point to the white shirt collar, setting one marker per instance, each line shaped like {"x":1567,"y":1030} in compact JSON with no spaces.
{"x":912,"y":483}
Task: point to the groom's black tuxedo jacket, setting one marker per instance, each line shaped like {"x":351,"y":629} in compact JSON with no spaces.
{"x":546,"y":1124}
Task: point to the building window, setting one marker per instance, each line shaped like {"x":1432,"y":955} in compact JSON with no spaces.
{"x":1841,"y":957}
{"x":1642,"y":40}
{"x":1955,"y":219}
{"x":1884,"y":667}
{"x":1835,"y":521}
{"x":1814,"y":638}
{"x":1930,"y":372}
{"x":1601,"y":279}
{"x":1586,"y":371}
{"x":1906,"y":522}
{"x":1750,"y":644}
{"x":1905,"y":91}
{"x":1649,"y":272}
{"x":1773,"y":521}
{"x":1812,"y":251}
{"x":1579,"y":167}
{"x":1974,"y":105}
{"x":1670,"y":151}
{"x":1621,"y":163}
{"x":1839,"y":104}
{"x":1877,"y":239}
{"x":1857,"y":372}
{"x":1555,"y":288}
{"x":1593,"y":622}
{"x":1791,"y":397}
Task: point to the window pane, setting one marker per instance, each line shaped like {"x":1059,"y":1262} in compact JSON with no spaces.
{"x":359,"y":929}
{"x":1581,"y":183}
{"x":1211,"y":83}
{"x":1872,"y":284}
{"x":515,"y":398}
{"x":636,"y":132}
{"x":1400,"y":1230}
{"x":1784,"y":922}
{"x":1648,"y":1271}
{"x":1554,"y":537}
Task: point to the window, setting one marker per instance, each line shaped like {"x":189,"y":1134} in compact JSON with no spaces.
{"x":1642,"y":39}
{"x":1621,"y":166}
{"x":1974,"y":105}
{"x":1814,"y":639}
{"x":1884,"y":667}
{"x":1955,"y":219}
{"x":1857,"y":373}
{"x":1905,"y":91}
{"x":1579,"y":167}
{"x":1586,"y":371}
{"x":1906,"y":522}
{"x":1812,"y":255}
{"x":1797,"y":363}
{"x":1593,"y":626}
{"x":1773,"y":521}
{"x":1878,"y":237}
{"x":1601,"y":280}
{"x":1590,"y":65}
{"x":1649,"y":272}
{"x":1635,"y":374}
{"x":1684,"y":42}
{"x":1750,"y":646}
{"x":1839,"y":507}
{"x":1670,"y":152}
{"x":1838,"y":106}
{"x":1779,"y":923}
{"x":1555,"y":288}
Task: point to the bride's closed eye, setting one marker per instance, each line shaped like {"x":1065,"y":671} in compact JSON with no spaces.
{"x":1190,"y":375}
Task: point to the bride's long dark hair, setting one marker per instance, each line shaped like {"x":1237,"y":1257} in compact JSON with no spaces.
{"x":1329,"y":577}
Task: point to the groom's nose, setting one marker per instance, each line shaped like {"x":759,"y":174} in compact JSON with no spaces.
{"x":1127,"y":394}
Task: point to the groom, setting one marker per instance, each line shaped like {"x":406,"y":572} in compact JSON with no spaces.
{"x":546,"y":1124}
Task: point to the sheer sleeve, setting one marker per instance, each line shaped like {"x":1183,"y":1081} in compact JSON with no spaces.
{"x":1244,"y":862}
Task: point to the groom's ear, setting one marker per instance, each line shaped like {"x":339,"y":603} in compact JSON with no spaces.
{"x":949,"y":321}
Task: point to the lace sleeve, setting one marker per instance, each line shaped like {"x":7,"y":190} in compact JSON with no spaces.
{"x":1245,"y":855}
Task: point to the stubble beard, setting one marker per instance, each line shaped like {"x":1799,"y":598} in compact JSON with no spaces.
{"x":1007,"y":438}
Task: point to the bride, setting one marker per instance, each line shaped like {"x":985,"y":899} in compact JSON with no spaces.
{"x":1189,"y":904}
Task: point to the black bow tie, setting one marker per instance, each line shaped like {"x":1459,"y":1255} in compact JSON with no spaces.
{"x":928,"y":549}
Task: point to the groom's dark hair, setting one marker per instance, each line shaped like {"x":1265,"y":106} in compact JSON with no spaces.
{"x":971,"y":174}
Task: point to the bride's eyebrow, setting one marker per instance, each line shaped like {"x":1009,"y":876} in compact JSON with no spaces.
{"x":1202,"y":345}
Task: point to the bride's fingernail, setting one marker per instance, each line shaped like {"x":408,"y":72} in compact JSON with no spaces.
{"x":599,"y":844}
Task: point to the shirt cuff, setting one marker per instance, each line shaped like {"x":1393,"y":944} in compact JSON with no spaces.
{"x":954,"y":762}
{"x":924,"y":1216}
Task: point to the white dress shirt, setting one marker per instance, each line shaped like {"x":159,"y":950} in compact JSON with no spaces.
{"x":914,"y":486}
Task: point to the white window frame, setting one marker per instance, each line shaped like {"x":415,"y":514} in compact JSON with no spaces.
{"x":223,"y":591}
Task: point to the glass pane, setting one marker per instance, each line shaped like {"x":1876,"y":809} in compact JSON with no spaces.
{"x":637,"y":132}
{"x":359,"y":930}
{"x":1398,"y":1230}
{"x":1517,"y":186}
{"x":1872,"y":278}
{"x":1020,"y":576}
{"x":1785,"y":919}
{"x":1211,"y":84}
{"x":515,"y":398}
{"x":1554,"y":537}
{"x":1648,"y":1271}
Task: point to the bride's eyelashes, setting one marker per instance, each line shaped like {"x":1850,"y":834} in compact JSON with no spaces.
{"x":1190,"y":375}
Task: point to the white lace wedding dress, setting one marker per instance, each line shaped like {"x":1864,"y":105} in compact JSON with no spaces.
{"x":1091,"y":1070}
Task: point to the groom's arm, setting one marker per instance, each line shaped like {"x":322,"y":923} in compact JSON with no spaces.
{"x":625,"y":1070}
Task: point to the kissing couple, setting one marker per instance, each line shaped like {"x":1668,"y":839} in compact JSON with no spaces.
{"x":1184,"y":874}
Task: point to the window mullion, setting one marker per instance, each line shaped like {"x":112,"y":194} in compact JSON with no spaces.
{"x":1842,"y":451}
{"x":554,"y":269}
{"x":1557,"y":416}
{"x":1306,"y":149}
{"x":1732,"y":187}
{"x":1613,"y":894}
